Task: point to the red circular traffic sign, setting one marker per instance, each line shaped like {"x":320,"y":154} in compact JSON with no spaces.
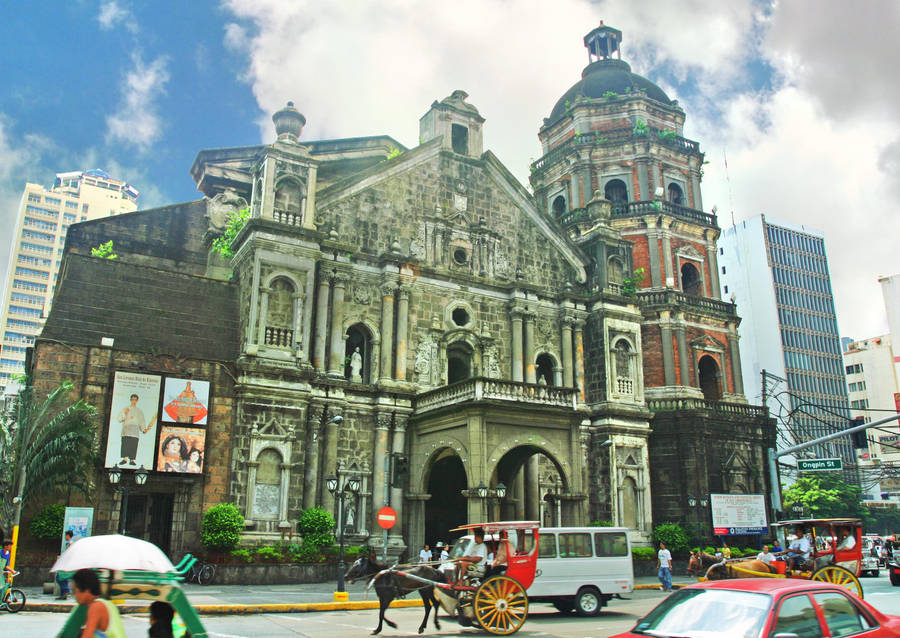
{"x":387,"y":517}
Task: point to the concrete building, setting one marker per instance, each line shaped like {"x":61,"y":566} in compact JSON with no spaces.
{"x":459,"y":326}
{"x":777,"y":273}
{"x":43,"y":219}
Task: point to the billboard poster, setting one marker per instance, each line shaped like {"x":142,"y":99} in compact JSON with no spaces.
{"x":185,"y":401}
{"x":181,"y":449}
{"x":738,"y":514}
{"x":79,"y":521}
{"x":131,"y":435}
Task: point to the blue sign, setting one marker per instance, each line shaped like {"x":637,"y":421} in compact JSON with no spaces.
{"x":747,"y":530}
{"x":79,"y":521}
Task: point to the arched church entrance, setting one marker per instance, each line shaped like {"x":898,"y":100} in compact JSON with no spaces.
{"x":446,"y":508}
{"x":537,"y":488}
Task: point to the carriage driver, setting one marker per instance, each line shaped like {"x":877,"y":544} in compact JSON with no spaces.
{"x":798,"y":551}
{"x":474,"y":563}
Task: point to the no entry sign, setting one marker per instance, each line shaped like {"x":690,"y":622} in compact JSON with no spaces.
{"x":387,"y":517}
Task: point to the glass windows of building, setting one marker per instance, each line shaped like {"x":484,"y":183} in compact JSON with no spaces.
{"x":72,"y":205}
{"x":54,"y":201}
{"x":69,"y":218}
{"x":33,"y":234}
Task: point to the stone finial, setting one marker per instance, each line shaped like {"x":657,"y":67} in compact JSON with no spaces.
{"x":333,"y":234}
{"x":289,"y":123}
{"x":395,"y":246}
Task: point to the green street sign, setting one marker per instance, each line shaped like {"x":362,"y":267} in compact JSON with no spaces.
{"x":818,"y":465}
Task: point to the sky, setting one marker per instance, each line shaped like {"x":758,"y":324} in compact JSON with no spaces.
{"x":795,"y":102}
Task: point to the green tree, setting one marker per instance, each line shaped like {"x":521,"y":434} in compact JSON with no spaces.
{"x":46,"y":443}
{"x":824,"y":495}
{"x":47,"y":524}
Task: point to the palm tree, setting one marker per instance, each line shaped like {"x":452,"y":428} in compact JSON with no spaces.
{"x":46,"y":443}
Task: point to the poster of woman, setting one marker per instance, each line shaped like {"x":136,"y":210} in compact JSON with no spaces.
{"x":185,"y":401}
{"x":181,"y":449}
{"x":131,"y":433}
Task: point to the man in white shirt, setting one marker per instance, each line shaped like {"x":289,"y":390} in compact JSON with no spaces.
{"x":664,"y":567}
{"x":475,"y":559}
{"x":798,"y":551}
{"x":848,"y":541}
{"x":765,"y":555}
{"x":425,"y":554}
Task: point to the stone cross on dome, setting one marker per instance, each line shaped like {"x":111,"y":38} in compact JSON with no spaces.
{"x":602,"y":42}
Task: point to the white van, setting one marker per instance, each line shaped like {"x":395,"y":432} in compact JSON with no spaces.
{"x":582,"y":568}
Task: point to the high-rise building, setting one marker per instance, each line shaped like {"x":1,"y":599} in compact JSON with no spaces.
{"x":43,"y":218}
{"x":777,"y":273}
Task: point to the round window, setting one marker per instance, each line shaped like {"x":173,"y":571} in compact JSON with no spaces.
{"x":460,"y":256}
{"x":460,"y":317}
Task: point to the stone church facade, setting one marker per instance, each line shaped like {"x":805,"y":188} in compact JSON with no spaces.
{"x":458,"y":323}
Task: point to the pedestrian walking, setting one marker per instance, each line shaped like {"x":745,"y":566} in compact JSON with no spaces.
{"x":64,"y":582}
{"x":664,"y":567}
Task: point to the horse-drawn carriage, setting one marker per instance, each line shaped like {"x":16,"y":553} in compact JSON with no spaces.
{"x":835,"y":556}
{"x":495,"y":601}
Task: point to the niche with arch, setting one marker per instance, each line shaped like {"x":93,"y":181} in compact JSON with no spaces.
{"x":460,"y":360}
{"x":288,"y":203}
{"x":676,"y":194}
{"x":546,"y":369}
{"x":623,"y":362}
{"x":559,"y":206}
{"x":691,"y":283}
{"x":279,"y":332}
{"x":710,"y":378}
{"x":616,"y":191}
{"x":267,"y":485}
{"x":358,"y":354}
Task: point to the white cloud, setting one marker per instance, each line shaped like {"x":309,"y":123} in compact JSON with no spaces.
{"x":112,"y":15}
{"x":136,"y":122}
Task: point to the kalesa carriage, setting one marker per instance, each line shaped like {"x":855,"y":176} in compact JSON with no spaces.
{"x":828,"y":562}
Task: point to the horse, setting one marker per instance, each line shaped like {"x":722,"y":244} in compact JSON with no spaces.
{"x":390,"y":584}
{"x":704,"y":564}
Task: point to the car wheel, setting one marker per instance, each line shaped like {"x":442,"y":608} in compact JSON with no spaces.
{"x":588,"y":602}
{"x":563,"y":606}
{"x":875,"y":573}
{"x":895,"y":579}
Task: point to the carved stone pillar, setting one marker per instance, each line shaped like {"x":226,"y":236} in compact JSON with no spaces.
{"x":653,"y":254}
{"x":379,"y":471}
{"x":517,"y":372}
{"x":297,"y":325}
{"x":668,"y":352}
{"x":532,"y":495}
{"x":336,"y":362}
{"x":667,"y":260}
{"x":314,"y":416}
{"x":263,"y":314}
{"x":387,"y":330}
{"x":332,"y":431}
{"x":398,"y":447}
{"x":402,"y":320}
{"x":713,"y":261}
{"x":567,"y":362}
{"x":321,"y":322}
{"x":530,"y":369}
{"x":684,"y":364}
{"x":734,"y":349}
{"x":579,"y":359}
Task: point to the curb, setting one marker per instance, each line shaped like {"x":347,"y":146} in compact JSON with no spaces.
{"x":230,"y":609}
{"x":656,"y":587}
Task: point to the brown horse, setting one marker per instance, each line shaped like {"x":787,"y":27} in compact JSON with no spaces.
{"x":389,"y":585}
{"x":703,"y":564}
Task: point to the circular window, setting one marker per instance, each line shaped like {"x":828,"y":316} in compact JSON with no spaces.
{"x":460,"y":317}
{"x":460,"y":256}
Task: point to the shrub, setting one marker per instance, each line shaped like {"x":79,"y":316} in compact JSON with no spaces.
{"x":221,"y":527}
{"x":602,"y":524}
{"x":47,"y":524}
{"x":710,"y":550}
{"x":236,"y":222}
{"x":241,"y":555}
{"x":308,"y":554}
{"x":672,"y":535}
{"x":643,"y":553}
{"x":268,"y":553}
{"x":316,"y":526}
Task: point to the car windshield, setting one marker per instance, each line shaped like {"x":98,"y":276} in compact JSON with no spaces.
{"x":460,"y":547}
{"x":707,"y":613}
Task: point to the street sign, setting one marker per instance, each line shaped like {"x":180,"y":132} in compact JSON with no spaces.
{"x":387,"y":517}
{"x":819,"y":465}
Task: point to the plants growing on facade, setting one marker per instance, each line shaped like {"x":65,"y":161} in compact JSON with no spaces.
{"x":640,"y":128}
{"x":666,"y":136}
{"x":221,"y":527}
{"x":393,"y":152}
{"x":234,"y":225}
{"x":610,"y":95}
{"x":104,"y":251}
{"x":630,"y":284}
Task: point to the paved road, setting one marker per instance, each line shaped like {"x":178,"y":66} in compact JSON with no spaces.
{"x":543,"y":620}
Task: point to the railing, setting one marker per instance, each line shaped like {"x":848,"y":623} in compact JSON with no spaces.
{"x":287,"y":217}
{"x":624,"y":385}
{"x":480,"y":388}
{"x":279,"y":337}
{"x":655,"y":207}
{"x":676,"y":405}
{"x":675,"y":297}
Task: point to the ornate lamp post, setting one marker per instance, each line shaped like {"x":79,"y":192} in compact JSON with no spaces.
{"x":488,"y":494}
{"x":340,"y":489}
{"x":122,"y":481}
{"x":699,"y":505}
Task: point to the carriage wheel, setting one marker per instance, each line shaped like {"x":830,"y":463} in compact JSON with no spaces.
{"x":839,"y":576}
{"x":501,"y":605}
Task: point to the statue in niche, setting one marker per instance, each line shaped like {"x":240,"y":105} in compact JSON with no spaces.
{"x":356,"y":363}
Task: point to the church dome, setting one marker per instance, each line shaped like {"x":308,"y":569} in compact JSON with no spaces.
{"x":608,"y":75}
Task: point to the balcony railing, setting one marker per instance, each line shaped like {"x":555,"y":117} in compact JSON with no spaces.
{"x":678,"y":405}
{"x":480,"y":388}
{"x":676,"y":297}
{"x":287,"y":217}
{"x":279,"y":337}
{"x":656,"y":207}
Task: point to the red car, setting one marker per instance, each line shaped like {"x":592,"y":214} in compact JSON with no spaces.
{"x":764,"y":608}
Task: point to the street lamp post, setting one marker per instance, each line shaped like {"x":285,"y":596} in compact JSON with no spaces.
{"x":699,"y":506}
{"x":122,"y":481}
{"x":490,"y":495}
{"x":340,"y":489}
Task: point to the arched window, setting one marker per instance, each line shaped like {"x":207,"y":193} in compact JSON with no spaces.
{"x":676,"y":195}
{"x":545,"y":372}
{"x":357,"y":354}
{"x":624,"y":372}
{"x":690,"y":280}
{"x":710,"y":378}
{"x":616,"y":191}
{"x":459,"y":362}
{"x":615,"y":271}
{"x":287,"y":206}
{"x":280,"y":314}
{"x":267,"y":487}
{"x":559,"y":206}
{"x":629,"y":503}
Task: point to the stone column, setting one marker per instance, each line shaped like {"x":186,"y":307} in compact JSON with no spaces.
{"x":530,"y":369}
{"x":298,"y":346}
{"x":531,"y":488}
{"x":398,"y":447}
{"x":697,"y":203}
{"x":713,"y":261}
{"x":667,"y":259}
{"x":263,"y":313}
{"x":734,"y":348}
{"x":643,"y":182}
{"x":518,"y":491}
{"x":684,"y":367}
{"x":579,"y":359}
{"x":517,"y":372}
{"x":387,"y":330}
{"x":568,"y":364}
{"x":379,"y":472}
{"x":668,"y":353}
{"x":332,"y":430}
{"x":653,"y":255}
{"x":402,"y":320}
{"x":336,"y":362}
{"x":314,"y":416}
{"x":321,"y":322}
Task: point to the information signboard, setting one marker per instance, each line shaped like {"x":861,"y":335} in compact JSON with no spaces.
{"x":738,"y":514}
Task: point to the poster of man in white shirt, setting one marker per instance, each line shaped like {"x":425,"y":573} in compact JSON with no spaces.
{"x":131,"y":434}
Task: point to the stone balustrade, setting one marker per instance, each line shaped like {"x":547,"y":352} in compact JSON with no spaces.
{"x":481,"y":388}
{"x":680,"y":404}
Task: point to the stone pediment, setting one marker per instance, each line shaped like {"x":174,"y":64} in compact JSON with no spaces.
{"x":706,"y":342}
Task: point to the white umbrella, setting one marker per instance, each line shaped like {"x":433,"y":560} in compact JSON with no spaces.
{"x":113,"y":552}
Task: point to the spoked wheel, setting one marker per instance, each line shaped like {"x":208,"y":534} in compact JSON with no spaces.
{"x":501,"y":605}
{"x":206,"y":574}
{"x":839,"y":576}
{"x":15,"y":600}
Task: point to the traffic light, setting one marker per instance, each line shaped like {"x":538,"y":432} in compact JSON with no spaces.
{"x":399,"y":469}
{"x":859,"y":438}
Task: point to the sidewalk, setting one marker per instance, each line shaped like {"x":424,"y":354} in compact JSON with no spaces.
{"x":258,"y":599}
